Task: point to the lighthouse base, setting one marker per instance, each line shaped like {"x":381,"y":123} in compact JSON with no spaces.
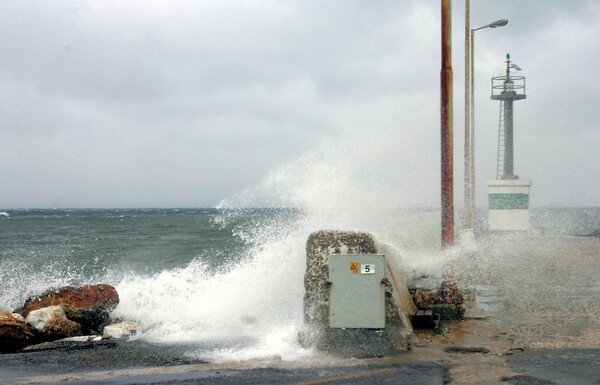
{"x":509,"y":204}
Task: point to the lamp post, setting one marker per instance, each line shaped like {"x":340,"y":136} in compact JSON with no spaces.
{"x":467,"y":154}
{"x":469,"y":157}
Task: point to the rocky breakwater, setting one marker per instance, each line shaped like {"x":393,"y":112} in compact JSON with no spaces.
{"x":56,"y":314}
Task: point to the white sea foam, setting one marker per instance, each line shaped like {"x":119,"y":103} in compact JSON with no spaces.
{"x":19,"y":283}
{"x":252,"y":309}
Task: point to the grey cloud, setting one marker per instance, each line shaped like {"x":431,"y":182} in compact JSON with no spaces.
{"x":187,"y":102}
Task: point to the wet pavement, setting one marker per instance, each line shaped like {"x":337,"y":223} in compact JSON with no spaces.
{"x":533,"y":317}
{"x":357,"y":373}
{"x":427,"y":365}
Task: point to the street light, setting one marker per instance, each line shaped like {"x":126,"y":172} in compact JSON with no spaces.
{"x":497,"y":23}
{"x":469,"y":156}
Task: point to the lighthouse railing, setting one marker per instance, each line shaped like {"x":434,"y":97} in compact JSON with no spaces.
{"x":508,"y":84}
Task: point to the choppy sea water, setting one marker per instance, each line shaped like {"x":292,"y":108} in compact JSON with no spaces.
{"x":225,"y":283}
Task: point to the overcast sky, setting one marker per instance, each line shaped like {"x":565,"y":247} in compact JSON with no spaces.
{"x":185,"y":103}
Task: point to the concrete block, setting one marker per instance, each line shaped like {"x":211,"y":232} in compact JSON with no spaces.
{"x":509,"y":205}
{"x":398,"y":302}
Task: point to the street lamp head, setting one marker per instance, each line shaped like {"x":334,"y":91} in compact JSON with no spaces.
{"x":498,"y":23}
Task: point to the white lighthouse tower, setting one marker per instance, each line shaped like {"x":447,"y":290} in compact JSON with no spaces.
{"x":508,"y":195}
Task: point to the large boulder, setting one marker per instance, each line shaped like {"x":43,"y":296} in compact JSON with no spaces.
{"x":88,"y":305}
{"x":52,"y":324}
{"x":14,"y":333}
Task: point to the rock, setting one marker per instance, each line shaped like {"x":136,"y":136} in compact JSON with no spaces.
{"x":14,"y":333}
{"x":89,"y":296}
{"x":52,"y":324}
{"x":88,"y":305}
{"x":39,"y":317}
{"x":120,"y":330}
{"x":424,"y":298}
{"x":61,"y":328}
{"x":92,"y":320}
{"x":447,"y":300}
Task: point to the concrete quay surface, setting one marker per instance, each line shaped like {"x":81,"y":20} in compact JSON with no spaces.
{"x":533,"y":317}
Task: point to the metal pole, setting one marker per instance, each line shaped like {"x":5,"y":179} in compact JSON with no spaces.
{"x":508,"y":125}
{"x":447,"y":153}
{"x":470,"y":207}
{"x":472,"y":125}
{"x":508,"y":140}
{"x":467,"y":151}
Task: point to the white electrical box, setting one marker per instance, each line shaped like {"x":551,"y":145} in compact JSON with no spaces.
{"x":357,"y":291}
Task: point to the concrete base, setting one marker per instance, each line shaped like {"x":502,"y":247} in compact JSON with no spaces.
{"x":509,"y":220}
{"x":396,"y":335}
{"x":468,"y":244}
{"x":509,"y":204}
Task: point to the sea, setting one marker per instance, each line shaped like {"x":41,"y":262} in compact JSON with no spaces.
{"x":223,"y":283}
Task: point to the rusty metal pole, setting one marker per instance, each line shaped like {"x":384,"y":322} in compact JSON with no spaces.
{"x":447,"y":151}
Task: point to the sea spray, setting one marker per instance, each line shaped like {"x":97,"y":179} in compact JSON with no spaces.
{"x":253,"y":308}
{"x":250,"y":307}
{"x":356,"y":182}
{"x":36,"y":274}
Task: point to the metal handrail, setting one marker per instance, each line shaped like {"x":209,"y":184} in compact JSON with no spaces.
{"x":517,"y":83}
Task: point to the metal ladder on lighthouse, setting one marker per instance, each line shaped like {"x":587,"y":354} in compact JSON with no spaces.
{"x":500,"y":158}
